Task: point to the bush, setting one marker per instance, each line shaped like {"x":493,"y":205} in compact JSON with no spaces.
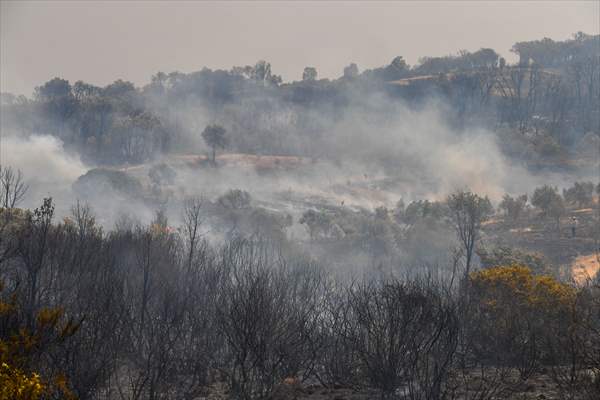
{"x":513,"y":207}
{"x":511,"y":309}
{"x":502,"y":256}
{"x":403,"y":336}
{"x":268,"y":316}
{"x":23,"y":348}
{"x":580,"y":194}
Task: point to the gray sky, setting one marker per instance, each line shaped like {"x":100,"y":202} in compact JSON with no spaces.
{"x":100,"y":42}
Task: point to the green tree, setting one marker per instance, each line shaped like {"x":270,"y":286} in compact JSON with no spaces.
{"x":549,"y":202}
{"x":513,"y":207}
{"x":235,"y":199}
{"x":309,"y":74}
{"x":351,"y":71}
{"x":316,"y":222}
{"x":580,"y":193}
{"x":214,"y":136}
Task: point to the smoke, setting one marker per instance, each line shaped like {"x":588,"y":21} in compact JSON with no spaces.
{"x":422,"y":153}
{"x":48,"y":169}
{"x":371,"y":155}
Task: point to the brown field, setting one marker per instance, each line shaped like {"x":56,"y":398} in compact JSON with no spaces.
{"x":260,"y":162}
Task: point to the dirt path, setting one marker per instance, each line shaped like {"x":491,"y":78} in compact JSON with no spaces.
{"x":584,"y":268}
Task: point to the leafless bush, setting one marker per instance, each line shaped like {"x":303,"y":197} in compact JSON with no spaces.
{"x":573,"y":346}
{"x":268,"y":315}
{"x":404,"y":337}
{"x":13,"y":187}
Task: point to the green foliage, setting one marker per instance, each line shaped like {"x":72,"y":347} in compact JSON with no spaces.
{"x":483,"y":58}
{"x":235,"y":199}
{"x":510,"y":313}
{"x":421,"y":209}
{"x":309,"y":74}
{"x":101,"y":180}
{"x":162,"y":174}
{"x":513,"y":207}
{"x":470,"y":206}
{"x":502,"y":256}
{"x":547,"y":199}
{"x":54,"y":88}
{"x":318,"y":223}
{"x":214,"y":136}
{"x":351,"y":71}
{"x":580,"y":193}
{"x":550,"y":53}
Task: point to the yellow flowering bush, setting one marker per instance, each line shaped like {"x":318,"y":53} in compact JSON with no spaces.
{"x":516,"y":285}
{"x":18,"y":344}
{"x":512,"y":313}
{"x":16,"y":385}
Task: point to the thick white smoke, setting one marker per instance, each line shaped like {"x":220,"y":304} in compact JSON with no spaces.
{"x":48,"y":169}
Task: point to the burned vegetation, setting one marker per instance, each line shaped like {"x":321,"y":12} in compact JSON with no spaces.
{"x":422,"y":233}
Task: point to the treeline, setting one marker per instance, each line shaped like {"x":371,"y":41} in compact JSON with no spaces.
{"x":552,"y":93}
{"x":422,"y":231}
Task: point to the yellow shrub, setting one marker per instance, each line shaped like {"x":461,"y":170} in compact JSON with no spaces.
{"x":513,"y":314}
{"x":16,"y":385}
{"x":516,"y":285}
{"x":17,"y":381}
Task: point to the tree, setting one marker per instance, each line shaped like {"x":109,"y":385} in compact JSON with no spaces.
{"x":317,"y":223}
{"x":57,"y":101}
{"x":421,"y":209}
{"x":513,"y":207}
{"x":550,"y":203}
{"x":192,"y":220}
{"x":12,"y":187}
{"x":138,"y":137}
{"x":580,"y":193}
{"x":351,"y":71}
{"x":214,"y":136}
{"x":262,"y":73}
{"x":399,"y":63}
{"x":235,"y":199}
{"x":404,"y":337}
{"x":83,"y":91}
{"x":502,"y":256}
{"x":54,"y":88}
{"x":502,"y":62}
{"x":396,"y":70}
{"x":34,"y":248}
{"x":119,"y":88}
{"x":468,"y":210}
{"x":309,"y":74}
{"x":511,"y":312}
{"x":162,"y":174}
{"x":268,"y":316}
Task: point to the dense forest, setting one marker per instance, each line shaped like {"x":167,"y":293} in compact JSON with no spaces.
{"x":420,"y":232}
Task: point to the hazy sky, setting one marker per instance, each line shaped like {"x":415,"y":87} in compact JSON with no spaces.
{"x":100,"y":42}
